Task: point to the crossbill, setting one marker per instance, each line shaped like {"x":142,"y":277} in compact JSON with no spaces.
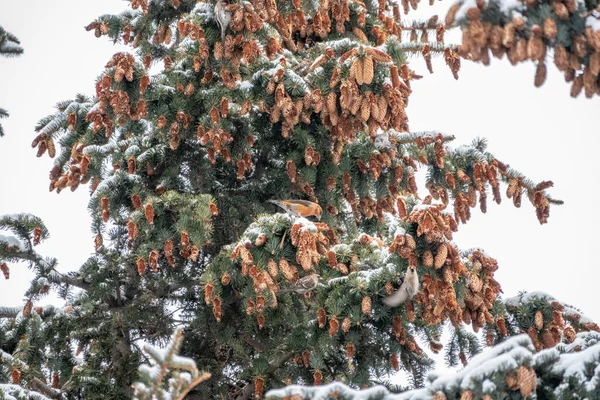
{"x":299,"y":208}
{"x":304,"y":285}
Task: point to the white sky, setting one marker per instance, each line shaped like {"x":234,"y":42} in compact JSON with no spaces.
{"x":541,"y":132}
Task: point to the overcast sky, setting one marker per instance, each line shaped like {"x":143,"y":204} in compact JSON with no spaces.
{"x":542,"y":132}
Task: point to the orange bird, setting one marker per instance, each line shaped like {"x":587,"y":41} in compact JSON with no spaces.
{"x":299,"y":208}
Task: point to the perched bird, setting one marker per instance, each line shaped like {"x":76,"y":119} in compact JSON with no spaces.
{"x":382,"y":142}
{"x":222,"y":16}
{"x":303,"y":285}
{"x":299,"y":208}
{"x":409,"y":286}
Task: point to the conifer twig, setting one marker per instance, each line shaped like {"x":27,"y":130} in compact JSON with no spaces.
{"x":204,"y":376}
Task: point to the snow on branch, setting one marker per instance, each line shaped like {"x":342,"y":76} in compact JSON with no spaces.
{"x":485,"y":374}
{"x":16,"y":392}
{"x":179,"y":384}
{"x":9,"y":44}
{"x":509,"y":367}
{"x":570,"y":313}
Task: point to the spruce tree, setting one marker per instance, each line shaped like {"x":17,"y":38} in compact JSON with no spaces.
{"x":9,"y":47}
{"x":187,"y":139}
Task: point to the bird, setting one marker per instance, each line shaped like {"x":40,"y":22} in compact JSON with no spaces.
{"x":299,"y":208}
{"x":382,"y":142}
{"x":409,"y":286}
{"x":303,"y":285}
{"x":222,"y":16}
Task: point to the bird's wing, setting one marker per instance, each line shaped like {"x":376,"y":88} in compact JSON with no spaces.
{"x":303,"y":202}
{"x":286,"y":206}
{"x":401,"y":281}
{"x":396,"y":299}
{"x":305,"y":283}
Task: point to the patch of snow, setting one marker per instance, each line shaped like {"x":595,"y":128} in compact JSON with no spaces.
{"x":245,"y":86}
{"x":488,"y":386}
{"x":461,"y":13}
{"x":132,"y":151}
{"x":9,"y":47}
{"x":514,"y":301}
{"x":113,"y":180}
{"x":419,"y":207}
{"x":8,"y":390}
{"x":203,"y":9}
{"x":578,"y":365}
{"x":5,"y":356}
{"x":582,"y":341}
{"x":18,"y":216}
{"x":483,"y":252}
{"x":506,"y":6}
{"x":340,"y":248}
{"x":322,"y":392}
{"x":12,"y":241}
{"x":306,"y":225}
{"x":335,"y":281}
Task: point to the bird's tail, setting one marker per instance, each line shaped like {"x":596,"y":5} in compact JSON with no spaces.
{"x":278,"y":203}
{"x":396,"y":299}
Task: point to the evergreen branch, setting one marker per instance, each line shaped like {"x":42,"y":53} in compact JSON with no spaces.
{"x":412,"y":137}
{"x":43,"y":388}
{"x":10,"y":50}
{"x":533,"y":301}
{"x":166,"y":359}
{"x":72,"y":281}
{"x":417,"y":47}
{"x":9,"y":44}
{"x":248,"y":390}
{"x":201,"y":378}
{"x":9,"y":312}
{"x":420,"y":25}
{"x":17,"y":392}
{"x":511,"y":174}
{"x":571,"y":31}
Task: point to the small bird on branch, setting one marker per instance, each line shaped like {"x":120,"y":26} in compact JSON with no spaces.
{"x":222,"y":16}
{"x":299,"y":208}
{"x":409,"y":286}
{"x":303,"y":285}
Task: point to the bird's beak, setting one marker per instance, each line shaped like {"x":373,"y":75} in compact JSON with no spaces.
{"x":320,"y":278}
{"x":319,"y":217}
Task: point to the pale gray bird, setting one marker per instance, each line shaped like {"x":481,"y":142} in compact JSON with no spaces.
{"x":408,"y":289}
{"x":382,"y":142}
{"x":222,"y":16}
{"x":303,"y":285}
